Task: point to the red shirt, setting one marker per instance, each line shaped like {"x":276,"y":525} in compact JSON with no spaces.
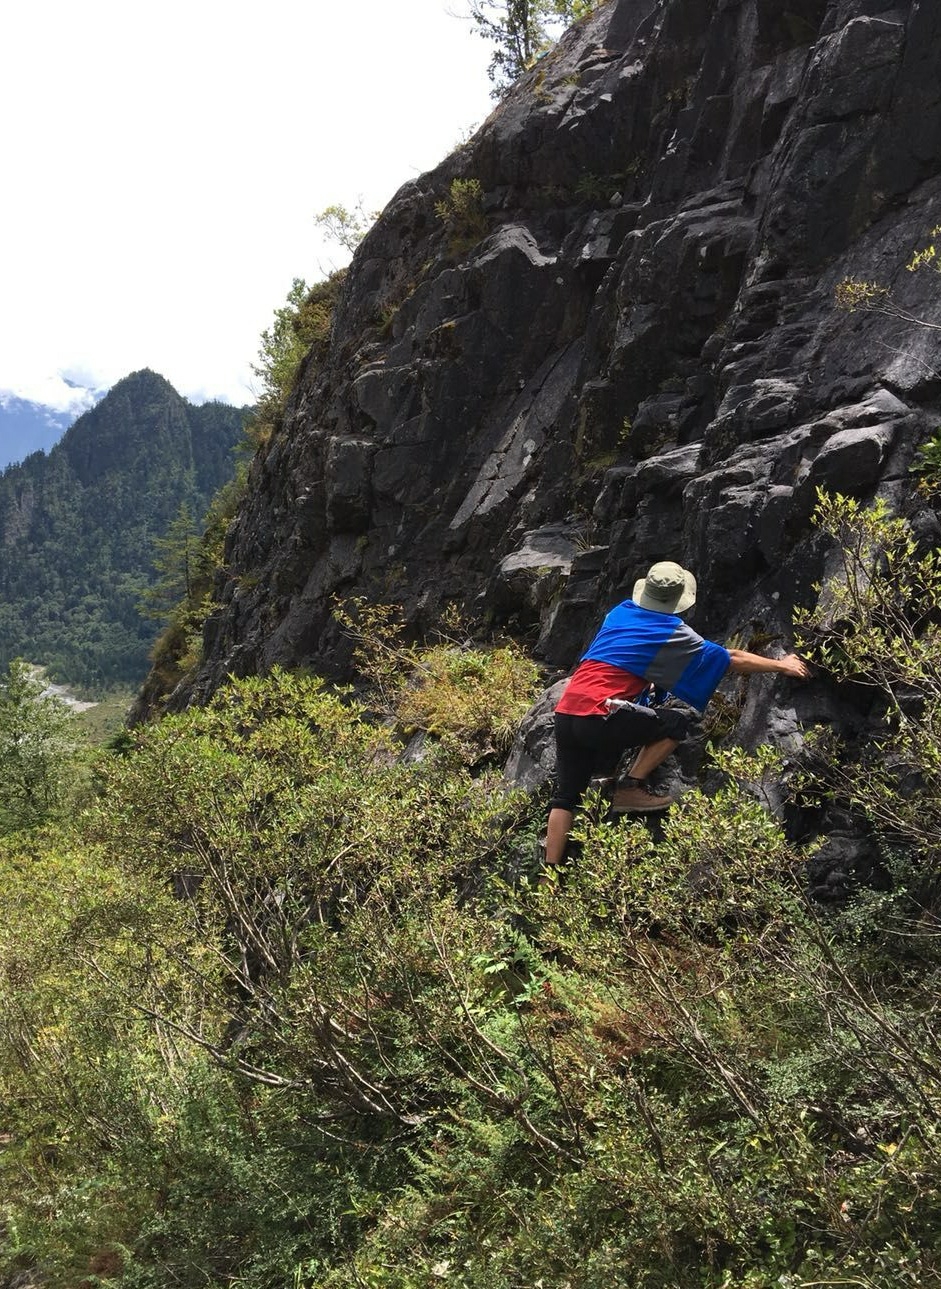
{"x":592,"y":683}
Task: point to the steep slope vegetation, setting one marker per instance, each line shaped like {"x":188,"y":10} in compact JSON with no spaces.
{"x":281,"y":1009}
{"x":78,"y":525}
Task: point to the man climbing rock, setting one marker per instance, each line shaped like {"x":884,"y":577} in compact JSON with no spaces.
{"x":643,"y":644}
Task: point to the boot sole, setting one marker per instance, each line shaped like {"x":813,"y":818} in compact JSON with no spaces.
{"x":640,"y":810}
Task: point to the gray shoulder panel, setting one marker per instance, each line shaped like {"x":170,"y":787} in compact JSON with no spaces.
{"x":674,"y":656}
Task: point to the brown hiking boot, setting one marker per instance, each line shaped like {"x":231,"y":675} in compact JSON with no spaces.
{"x":638,"y":800}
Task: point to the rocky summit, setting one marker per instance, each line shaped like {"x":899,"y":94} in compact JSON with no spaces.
{"x":605,"y":332}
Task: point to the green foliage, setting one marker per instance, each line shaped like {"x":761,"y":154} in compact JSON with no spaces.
{"x":300,"y":332}
{"x":462,"y":213}
{"x":469,"y":698}
{"x":521,"y":31}
{"x":272,"y":1015}
{"x":103,"y":721}
{"x":282,"y":347}
{"x":927,"y":256}
{"x":37,"y":744}
{"x":301,"y":323}
{"x":719,"y":873}
{"x":927,"y":464}
{"x":877,"y":627}
{"x":188,"y":564}
{"x":457,"y":690}
{"x":854,"y":294}
{"x":598,"y":189}
{"x":319,"y":936}
{"x":345,"y":227}
{"x":174,"y":564}
{"x":80,"y":1083}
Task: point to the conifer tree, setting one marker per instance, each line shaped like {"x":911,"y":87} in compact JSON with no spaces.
{"x":175,"y":559}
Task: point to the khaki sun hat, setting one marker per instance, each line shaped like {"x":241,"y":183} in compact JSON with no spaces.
{"x":667,"y":588}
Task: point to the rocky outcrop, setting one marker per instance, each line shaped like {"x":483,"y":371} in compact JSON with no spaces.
{"x":628,"y":349}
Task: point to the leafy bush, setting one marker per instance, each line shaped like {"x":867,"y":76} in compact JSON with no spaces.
{"x":927,"y":463}
{"x":474,"y":697}
{"x":301,"y":323}
{"x":468,"y":697}
{"x":316,"y":949}
{"x":38,"y":742}
{"x":271,"y":1016}
{"x":462,"y":214}
{"x":877,"y":627}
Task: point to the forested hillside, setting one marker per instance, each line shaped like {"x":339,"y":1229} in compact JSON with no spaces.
{"x":78,"y":527}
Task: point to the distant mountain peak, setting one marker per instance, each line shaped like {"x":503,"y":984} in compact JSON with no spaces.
{"x":78,"y":524}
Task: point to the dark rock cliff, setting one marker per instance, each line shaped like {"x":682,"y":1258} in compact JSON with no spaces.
{"x":630,"y":352}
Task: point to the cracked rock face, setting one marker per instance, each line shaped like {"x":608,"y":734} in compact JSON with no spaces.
{"x":630,"y":353}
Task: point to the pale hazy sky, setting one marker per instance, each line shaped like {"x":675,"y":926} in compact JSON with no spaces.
{"x":162,"y":164}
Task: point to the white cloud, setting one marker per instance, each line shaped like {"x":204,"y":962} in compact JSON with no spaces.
{"x":167,"y":162}
{"x":50,"y":392}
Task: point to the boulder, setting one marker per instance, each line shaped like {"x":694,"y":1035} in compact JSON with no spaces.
{"x":531,"y":763}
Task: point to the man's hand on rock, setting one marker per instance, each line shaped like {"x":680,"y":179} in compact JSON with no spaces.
{"x":791,"y":665}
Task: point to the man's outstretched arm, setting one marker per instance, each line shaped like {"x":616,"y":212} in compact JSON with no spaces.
{"x":749,"y":664}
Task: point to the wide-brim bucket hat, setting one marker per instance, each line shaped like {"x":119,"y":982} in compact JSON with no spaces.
{"x":667,"y":588}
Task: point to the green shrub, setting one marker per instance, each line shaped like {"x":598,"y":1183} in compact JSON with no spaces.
{"x":927,"y":463}
{"x":302,"y":323}
{"x":38,"y":743}
{"x":271,"y":1016}
{"x":319,"y":954}
{"x":462,"y":214}
{"x":876,"y":626}
{"x":468,"y":697}
{"x":475,"y":697}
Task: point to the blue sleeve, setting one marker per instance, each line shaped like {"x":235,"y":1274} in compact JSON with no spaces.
{"x":702,"y":674}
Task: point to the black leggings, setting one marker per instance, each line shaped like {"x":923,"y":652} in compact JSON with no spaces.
{"x":591,"y":746}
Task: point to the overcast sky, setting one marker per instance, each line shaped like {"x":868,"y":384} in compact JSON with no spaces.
{"x":162,"y":165}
